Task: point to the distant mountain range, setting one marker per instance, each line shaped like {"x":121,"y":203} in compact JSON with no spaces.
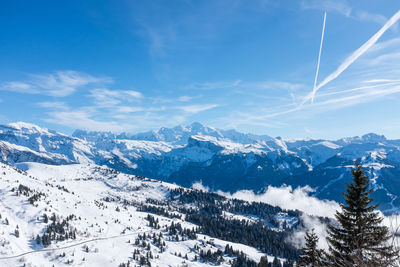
{"x":221,"y":159}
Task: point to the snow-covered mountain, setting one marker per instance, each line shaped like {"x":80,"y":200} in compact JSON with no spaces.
{"x":20,"y":142}
{"x":221,"y":159}
{"x":86,"y":215}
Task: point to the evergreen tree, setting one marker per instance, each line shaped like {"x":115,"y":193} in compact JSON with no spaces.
{"x":287,"y":263}
{"x":310,"y":254}
{"x":276,"y":262}
{"x":359,"y":239}
{"x":263,"y":262}
{"x":16,"y":232}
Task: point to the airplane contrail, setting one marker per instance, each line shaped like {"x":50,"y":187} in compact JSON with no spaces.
{"x":356,"y":54}
{"x":319,"y":59}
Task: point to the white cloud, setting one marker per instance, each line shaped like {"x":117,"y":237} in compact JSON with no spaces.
{"x":367,"y":96}
{"x":393,"y":223}
{"x":326,"y":102}
{"x":310,"y":222}
{"x":121,"y":119}
{"x":299,"y":198}
{"x":166,"y":100}
{"x":59,"y":84}
{"x":382,"y":46}
{"x":132,"y":93}
{"x":81,"y":119}
{"x":236,"y":119}
{"x":339,"y":6}
{"x":197,"y":108}
{"x":146,"y":120}
{"x":364,"y":15}
{"x":200,"y":186}
{"x":127,"y":109}
{"x":108,"y":98}
{"x":53,"y":105}
{"x":19,"y":87}
{"x":288,"y":198}
{"x":277,"y":85}
{"x":185,"y":98}
{"x":63,"y":83}
{"x":385,"y":58}
{"x":246,"y":87}
{"x":214,"y":85}
{"x":343,"y":7}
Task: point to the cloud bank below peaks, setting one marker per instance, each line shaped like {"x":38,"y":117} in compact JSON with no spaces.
{"x":285,"y":197}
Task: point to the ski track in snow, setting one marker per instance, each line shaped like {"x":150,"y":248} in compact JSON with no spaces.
{"x":71,"y":246}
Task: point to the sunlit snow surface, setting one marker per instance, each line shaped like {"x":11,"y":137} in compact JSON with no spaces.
{"x":87,"y":184}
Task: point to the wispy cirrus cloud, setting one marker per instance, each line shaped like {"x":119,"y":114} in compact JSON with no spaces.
{"x":58,"y":84}
{"x":104,"y":97}
{"x":273,"y":85}
{"x":385,"y":58}
{"x":185,"y":98}
{"x":247,"y":86}
{"x":197,"y":108}
{"x":287,"y":197}
{"x":19,"y":87}
{"x":118,"y":110}
{"x":168,"y":100}
{"x":128,"y":109}
{"x":82,"y":119}
{"x":343,"y":7}
{"x":89,"y":117}
{"x":364,"y":15}
{"x":327,"y":102}
{"x":214,"y":85}
{"x":53,"y":105}
{"x":340,"y":6}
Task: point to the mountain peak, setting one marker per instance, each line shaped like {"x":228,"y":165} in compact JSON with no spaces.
{"x":29,"y":128}
{"x":196,"y":125}
{"x":83,"y":134}
{"x":373,"y":137}
{"x":23,"y":125}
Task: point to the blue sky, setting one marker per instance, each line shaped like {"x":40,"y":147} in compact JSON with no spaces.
{"x":248,"y":65}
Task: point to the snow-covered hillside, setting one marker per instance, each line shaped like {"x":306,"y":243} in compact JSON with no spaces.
{"x":86,"y":215}
{"x":189,"y":154}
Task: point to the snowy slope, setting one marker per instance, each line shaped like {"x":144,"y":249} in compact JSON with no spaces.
{"x":106,"y":229}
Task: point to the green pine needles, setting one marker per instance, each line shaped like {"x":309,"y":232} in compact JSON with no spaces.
{"x":311,"y":255}
{"x":358,"y":238}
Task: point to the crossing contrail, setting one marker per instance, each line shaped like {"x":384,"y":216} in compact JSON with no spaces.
{"x":356,"y":54}
{"x":319,"y":59}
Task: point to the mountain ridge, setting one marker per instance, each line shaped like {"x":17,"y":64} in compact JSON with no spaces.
{"x":188,"y":154}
